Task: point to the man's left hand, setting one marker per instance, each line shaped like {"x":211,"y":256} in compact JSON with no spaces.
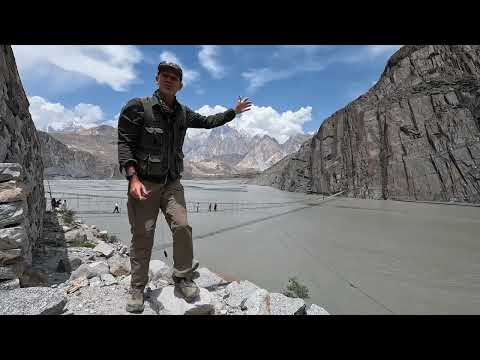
{"x":242,"y":105}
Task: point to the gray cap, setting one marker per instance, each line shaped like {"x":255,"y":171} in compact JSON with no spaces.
{"x":166,"y":65}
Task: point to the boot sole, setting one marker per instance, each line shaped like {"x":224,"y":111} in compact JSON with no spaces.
{"x":134,"y":309}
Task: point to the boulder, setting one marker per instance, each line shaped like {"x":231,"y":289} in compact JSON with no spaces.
{"x":239,"y":291}
{"x":104,"y":249}
{"x":108,"y":279}
{"x":169,"y":299}
{"x":283,"y":305}
{"x":32,"y":301}
{"x":316,"y":310}
{"x":258,"y":303}
{"x":89,"y":271}
{"x":207,"y":279}
{"x":159,"y":270}
{"x":119,"y":266}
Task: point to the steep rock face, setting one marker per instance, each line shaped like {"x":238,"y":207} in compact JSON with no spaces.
{"x":19,"y":144}
{"x":60,"y":161}
{"x":414,"y":135}
{"x":292,"y":173}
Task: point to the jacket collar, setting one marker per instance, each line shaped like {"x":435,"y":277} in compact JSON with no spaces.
{"x":157,"y":101}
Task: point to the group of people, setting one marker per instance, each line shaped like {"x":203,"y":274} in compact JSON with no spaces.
{"x":57,"y":204}
{"x":214,"y":207}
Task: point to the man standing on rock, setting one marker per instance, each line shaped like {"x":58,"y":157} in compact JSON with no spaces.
{"x":151,"y":133}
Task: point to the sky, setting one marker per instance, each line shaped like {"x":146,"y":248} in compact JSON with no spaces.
{"x":294,"y":88}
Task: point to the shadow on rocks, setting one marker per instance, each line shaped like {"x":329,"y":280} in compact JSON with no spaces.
{"x":50,"y":262}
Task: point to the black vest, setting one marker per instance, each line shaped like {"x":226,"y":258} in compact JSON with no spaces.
{"x":159,"y":150}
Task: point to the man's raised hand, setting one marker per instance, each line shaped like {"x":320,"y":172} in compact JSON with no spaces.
{"x":242,"y":105}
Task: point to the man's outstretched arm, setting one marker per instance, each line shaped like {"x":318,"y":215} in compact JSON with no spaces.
{"x":196,"y":120}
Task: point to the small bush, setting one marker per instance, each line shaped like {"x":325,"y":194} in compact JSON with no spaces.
{"x":113,"y":238}
{"x":295,"y":289}
{"x":81,"y":241}
{"x":68,"y":216}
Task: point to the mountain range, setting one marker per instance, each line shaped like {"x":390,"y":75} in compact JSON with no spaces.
{"x":220,"y":152}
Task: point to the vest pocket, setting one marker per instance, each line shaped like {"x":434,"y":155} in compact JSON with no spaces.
{"x":150,"y":165}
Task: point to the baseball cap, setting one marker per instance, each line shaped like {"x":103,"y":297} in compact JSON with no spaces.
{"x":166,"y":65}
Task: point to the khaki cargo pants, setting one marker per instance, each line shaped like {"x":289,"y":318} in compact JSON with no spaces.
{"x":142,"y":215}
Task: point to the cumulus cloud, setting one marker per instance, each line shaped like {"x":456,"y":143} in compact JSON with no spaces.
{"x":49,"y":116}
{"x":264,"y":121}
{"x":208,"y":57}
{"x":111,"y":65}
{"x":189,"y":75}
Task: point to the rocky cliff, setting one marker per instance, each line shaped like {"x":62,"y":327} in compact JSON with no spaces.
{"x":414,"y":135}
{"x":22,"y":198}
{"x":62,"y":161}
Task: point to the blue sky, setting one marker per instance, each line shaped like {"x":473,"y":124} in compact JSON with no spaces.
{"x":293,"y":88}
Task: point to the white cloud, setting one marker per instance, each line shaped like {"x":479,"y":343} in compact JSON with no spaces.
{"x":188,"y":74}
{"x":49,"y":116}
{"x":208,"y":59}
{"x":261,"y":121}
{"x":111,"y":65}
{"x":259,"y":77}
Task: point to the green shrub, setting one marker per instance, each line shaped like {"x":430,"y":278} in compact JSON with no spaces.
{"x":295,"y":289}
{"x":81,"y":241}
{"x":68,"y":216}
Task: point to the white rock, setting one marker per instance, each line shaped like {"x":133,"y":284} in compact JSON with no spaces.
{"x":93,"y":227}
{"x":316,"y":310}
{"x":159,"y":270}
{"x":119,"y":266}
{"x":207,"y":279}
{"x":258,"y":303}
{"x":105,"y":249}
{"x":96,"y":282}
{"x":239,"y":291}
{"x":66,"y":228}
{"x":283,"y":305}
{"x":90,"y":270}
{"x":108,"y":279}
{"x":172,"y":301}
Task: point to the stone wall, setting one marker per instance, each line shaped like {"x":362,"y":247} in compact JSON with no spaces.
{"x":22,"y":197}
{"x":14,"y":244}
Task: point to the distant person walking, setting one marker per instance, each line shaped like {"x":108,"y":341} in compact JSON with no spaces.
{"x":198,"y":205}
{"x":210,"y":207}
{"x":215,"y":207}
{"x":64,"y":204}
{"x":151,"y":133}
{"x":116,"y":210}
{"x":53,"y":203}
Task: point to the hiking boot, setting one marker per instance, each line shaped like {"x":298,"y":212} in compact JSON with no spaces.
{"x":187,"y":288}
{"x":135,"y":301}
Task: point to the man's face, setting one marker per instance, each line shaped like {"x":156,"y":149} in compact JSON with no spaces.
{"x":168,"y":82}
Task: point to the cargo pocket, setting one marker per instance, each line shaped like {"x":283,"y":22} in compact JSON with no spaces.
{"x":157,"y":167}
{"x":179,"y":162}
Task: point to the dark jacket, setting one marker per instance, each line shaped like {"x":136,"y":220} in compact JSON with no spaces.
{"x":135,"y":137}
